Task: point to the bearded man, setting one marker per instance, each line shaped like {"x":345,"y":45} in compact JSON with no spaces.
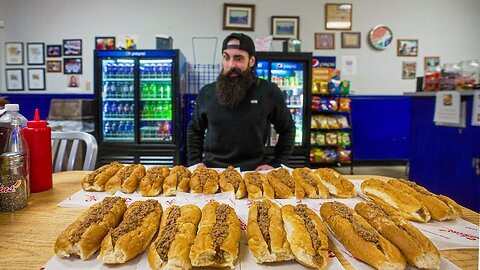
{"x":232,"y":118}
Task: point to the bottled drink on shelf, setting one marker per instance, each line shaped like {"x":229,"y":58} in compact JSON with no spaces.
{"x":145,"y":90}
{"x":119,"y":113}
{"x":114,"y":129}
{"x":120,"y":128}
{"x":153,"y":90}
{"x":168,"y":90}
{"x":106,"y":109}
{"x":113,"y":109}
{"x":107,"y":129}
{"x":131,"y":90}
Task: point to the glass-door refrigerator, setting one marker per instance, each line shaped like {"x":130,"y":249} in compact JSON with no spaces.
{"x":292,"y":73}
{"x":139,"y":96}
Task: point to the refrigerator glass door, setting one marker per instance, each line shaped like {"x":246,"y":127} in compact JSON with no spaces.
{"x":118,"y":104}
{"x":156,"y":100}
{"x":289,"y":77}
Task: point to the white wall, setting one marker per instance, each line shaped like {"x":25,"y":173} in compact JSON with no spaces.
{"x":445,"y":28}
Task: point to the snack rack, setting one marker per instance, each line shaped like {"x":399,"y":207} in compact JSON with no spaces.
{"x":331,"y":138}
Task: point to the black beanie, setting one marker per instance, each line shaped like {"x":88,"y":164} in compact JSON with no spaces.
{"x":246,"y":43}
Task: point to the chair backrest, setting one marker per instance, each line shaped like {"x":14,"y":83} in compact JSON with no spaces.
{"x":62,"y":139}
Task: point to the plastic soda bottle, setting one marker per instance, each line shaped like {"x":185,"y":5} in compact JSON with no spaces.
{"x":153,"y":90}
{"x":39,"y":137}
{"x":168,"y":91}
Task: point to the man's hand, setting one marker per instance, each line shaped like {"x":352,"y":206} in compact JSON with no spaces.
{"x":264,"y":167}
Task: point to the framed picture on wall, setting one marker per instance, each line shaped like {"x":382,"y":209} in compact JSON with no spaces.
{"x":285,"y":27}
{"x":54,"y":66}
{"x":407,"y":47}
{"x":72,"y":66}
{"x":409,"y":70}
{"x":14,"y":79}
{"x":35,"y":53}
{"x":238,"y":17}
{"x":338,"y":16}
{"x":431,"y":62}
{"x":36,"y":78}
{"x":105,"y":43}
{"x":324,"y":41}
{"x":72,"y":47}
{"x":351,"y":40}
{"x":54,"y":50}
{"x":14,"y":53}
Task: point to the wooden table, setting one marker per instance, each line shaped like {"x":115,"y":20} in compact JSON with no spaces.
{"x":27,"y":236}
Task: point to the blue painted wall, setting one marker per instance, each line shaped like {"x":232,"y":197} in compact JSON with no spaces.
{"x":381,"y":127}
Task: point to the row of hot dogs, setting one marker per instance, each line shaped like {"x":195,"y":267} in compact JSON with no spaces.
{"x":279,"y":183}
{"x":188,"y":236}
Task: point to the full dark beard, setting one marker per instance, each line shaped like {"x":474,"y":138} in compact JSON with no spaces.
{"x":231,"y":91}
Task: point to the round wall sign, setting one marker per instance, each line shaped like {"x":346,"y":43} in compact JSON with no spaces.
{"x":380,"y":37}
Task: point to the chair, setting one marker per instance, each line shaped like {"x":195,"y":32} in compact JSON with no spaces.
{"x":62,"y":139}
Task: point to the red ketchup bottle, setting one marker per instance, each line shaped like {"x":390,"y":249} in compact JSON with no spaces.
{"x":39,"y":140}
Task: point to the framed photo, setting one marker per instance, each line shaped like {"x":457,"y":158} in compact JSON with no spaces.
{"x":35,"y":53}
{"x":338,"y":16}
{"x":14,"y":53}
{"x":238,"y":17}
{"x":407,"y":47}
{"x":431,"y":62}
{"x":324,"y":41}
{"x":36,"y":79}
{"x":409,"y":70}
{"x":14,"y":79}
{"x":285,"y":27}
{"x":54,"y":66}
{"x":54,"y":50}
{"x":72,"y":47}
{"x":351,"y":40}
{"x":72,"y":66}
{"x":105,"y":43}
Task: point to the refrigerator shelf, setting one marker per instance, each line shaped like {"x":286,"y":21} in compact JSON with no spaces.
{"x":118,"y":99}
{"x":155,"y":99}
{"x":118,"y":118}
{"x":157,"y":119}
{"x":123,"y":139}
{"x":299,"y":106}
{"x":156,"y":79}
{"x":293,"y":87}
{"x":118,"y":79}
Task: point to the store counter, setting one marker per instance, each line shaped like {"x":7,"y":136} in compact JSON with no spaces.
{"x":445,"y":159}
{"x":27,"y":236}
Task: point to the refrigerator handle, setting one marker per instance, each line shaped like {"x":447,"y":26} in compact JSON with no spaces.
{"x":214,"y":51}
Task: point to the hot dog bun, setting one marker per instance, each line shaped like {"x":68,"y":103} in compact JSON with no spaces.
{"x":84,"y":236}
{"x":267,"y":239}
{"x":284,"y":185}
{"x":178,"y":229}
{"x":204,"y":180}
{"x":311,"y":184}
{"x":363,"y":241}
{"x":179,"y":179}
{"x":126,"y":179}
{"x":439,"y":209}
{"x":96,"y":180}
{"x":379,"y":190}
{"x":132,"y":237}
{"x":307,"y":235}
{"x":151,"y":184}
{"x":337,"y":185}
{"x":218,"y":237}
{"x":231,"y":180}
{"x":416,"y":247}
{"x":258,"y":186}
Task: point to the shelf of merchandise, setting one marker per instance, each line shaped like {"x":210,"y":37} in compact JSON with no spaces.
{"x":336,"y":146}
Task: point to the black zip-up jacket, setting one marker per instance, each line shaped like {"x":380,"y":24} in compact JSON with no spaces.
{"x":219,"y":137}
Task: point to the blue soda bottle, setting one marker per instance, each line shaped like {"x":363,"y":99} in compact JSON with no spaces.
{"x":114,"y":129}
{"x":107,"y":130}
{"x":106,"y":109}
{"x":131,"y":90}
{"x":113,"y":110}
{"x":120,"y":128}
